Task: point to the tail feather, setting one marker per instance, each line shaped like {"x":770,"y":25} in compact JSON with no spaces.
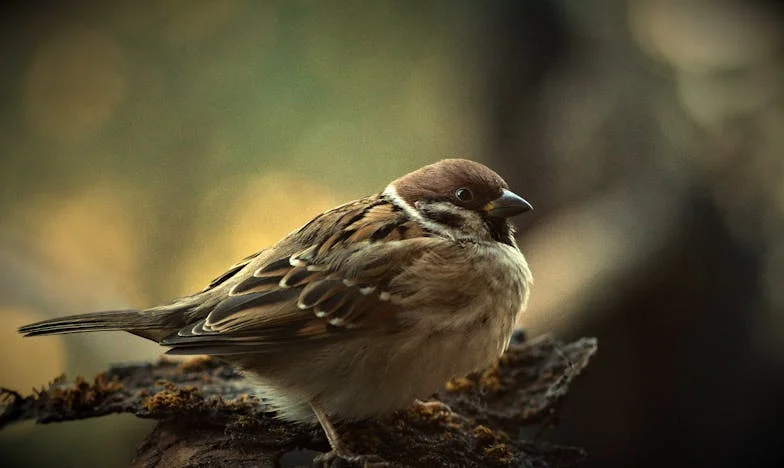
{"x":110,"y":320}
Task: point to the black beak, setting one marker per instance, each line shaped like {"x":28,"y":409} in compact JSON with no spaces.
{"x":507,"y":205}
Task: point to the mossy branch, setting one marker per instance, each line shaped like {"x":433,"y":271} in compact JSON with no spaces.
{"x":210,"y":416}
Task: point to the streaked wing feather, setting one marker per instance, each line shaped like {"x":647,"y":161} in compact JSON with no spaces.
{"x":321,"y":292}
{"x":233,"y":270}
{"x":318,"y":291}
{"x":232,"y":305}
{"x":258,"y":284}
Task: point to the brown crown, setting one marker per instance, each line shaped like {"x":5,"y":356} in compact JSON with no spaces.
{"x":440,"y":181}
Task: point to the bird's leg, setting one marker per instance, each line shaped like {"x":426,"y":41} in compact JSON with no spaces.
{"x":339,"y":449}
{"x":332,"y":435}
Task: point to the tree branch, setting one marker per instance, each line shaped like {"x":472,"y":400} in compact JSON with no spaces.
{"x":210,"y":416}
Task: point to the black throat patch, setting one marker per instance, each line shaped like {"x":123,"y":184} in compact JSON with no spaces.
{"x":501,"y":231}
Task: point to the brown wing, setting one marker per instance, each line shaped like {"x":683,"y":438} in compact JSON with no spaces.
{"x":233,"y":270}
{"x":325,"y":291}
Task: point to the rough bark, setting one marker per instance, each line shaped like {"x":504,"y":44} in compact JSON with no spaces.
{"x":209,"y":415}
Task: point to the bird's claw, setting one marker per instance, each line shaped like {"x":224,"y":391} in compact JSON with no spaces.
{"x":434,"y":405}
{"x":334,"y":459}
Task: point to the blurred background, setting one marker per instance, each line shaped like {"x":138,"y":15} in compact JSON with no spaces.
{"x":145,"y":146}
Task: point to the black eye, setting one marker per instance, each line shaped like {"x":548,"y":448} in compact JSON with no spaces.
{"x":464,"y":194}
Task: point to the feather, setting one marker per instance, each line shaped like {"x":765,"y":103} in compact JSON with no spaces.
{"x":232,"y":304}
{"x":316,"y":292}
{"x":257,"y":284}
{"x":299,"y":276}
{"x":322,"y":292}
{"x":130,"y":319}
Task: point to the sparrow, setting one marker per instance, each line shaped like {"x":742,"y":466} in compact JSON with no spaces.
{"x":364,"y":309}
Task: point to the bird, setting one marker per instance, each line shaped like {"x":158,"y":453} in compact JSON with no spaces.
{"x":366,"y":308}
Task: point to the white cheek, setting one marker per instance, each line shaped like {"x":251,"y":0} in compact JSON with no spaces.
{"x":472,"y":225}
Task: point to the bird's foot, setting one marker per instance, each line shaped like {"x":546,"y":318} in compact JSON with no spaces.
{"x":341,"y":459}
{"x":434,"y":405}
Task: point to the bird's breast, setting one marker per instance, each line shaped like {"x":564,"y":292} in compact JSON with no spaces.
{"x":473,"y":306}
